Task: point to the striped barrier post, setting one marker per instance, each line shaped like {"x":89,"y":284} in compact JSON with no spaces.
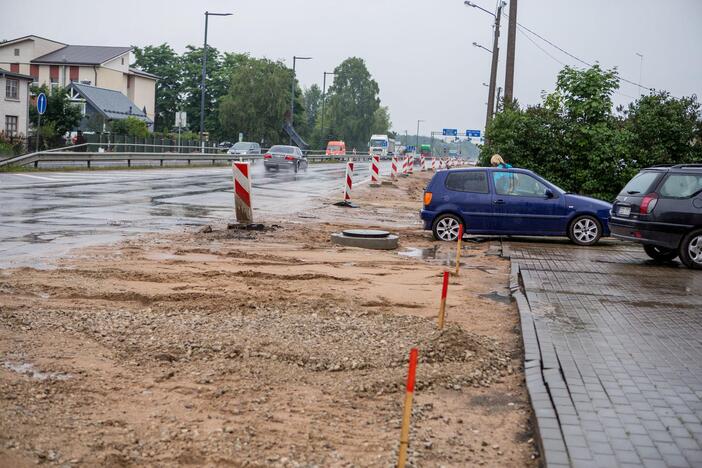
{"x":393,"y":172}
{"x":348,"y":182}
{"x":404,"y":165}
{"x":410,"y":164}
{"x":242,"y":192}
{"x":407,"y":412}
{"x":375,"y":171}
{"x":442,"y":306}
{"x":433,"y":164}
{"x":422,"y":163}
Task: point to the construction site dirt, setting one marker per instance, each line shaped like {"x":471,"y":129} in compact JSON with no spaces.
{"x":228,"y":347}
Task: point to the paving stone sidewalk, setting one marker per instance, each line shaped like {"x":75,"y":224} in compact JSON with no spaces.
{"x":613,"y":350}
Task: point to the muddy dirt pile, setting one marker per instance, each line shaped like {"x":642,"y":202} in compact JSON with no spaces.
{"x":262,"y":348}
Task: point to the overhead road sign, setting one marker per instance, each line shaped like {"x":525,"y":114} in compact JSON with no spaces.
{"x":473,"y":133}
{"x":450,"y":132}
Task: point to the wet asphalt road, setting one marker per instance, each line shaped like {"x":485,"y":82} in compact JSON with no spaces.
{"x":43,"y":215}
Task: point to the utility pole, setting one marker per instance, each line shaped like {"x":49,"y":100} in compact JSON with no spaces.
{"x":511,"y":42}
{"x":204,"y":76}
{"x":292,"y":91}
{"x":497,"y":103}
{"x":417,"y":145}
{"x":324,"y":91}
{"x":493,"y":68}
{"x":640,"y":71}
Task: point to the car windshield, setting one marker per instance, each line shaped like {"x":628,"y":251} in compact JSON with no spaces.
{"x":641,"y":183}
{"x":283,"y":149}
{"x":334,"y":148}
{"x":378,"y":143}
{"x":681,"y":185}
{"x":241,"y":145}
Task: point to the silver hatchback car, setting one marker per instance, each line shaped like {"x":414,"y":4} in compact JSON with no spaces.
{"x":286,"y":157}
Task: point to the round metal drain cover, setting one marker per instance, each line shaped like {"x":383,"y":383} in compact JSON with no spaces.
{"x":368,"y":233}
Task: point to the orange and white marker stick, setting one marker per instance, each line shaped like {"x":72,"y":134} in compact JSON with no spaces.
{"x":407,"y":413}
{"x":459,"y":246}
{"x":442,"y":307}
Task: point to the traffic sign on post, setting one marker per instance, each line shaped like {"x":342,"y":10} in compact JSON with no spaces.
{"x":41,"y":103}
{"x":450,"y":132}
{"x":473,"y":133}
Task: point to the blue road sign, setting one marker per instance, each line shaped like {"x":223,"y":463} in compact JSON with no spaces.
{"x":450,"y":132}
{"x":473,"y":133}
{"x":410,"y":148}
{"x":41,"y":103}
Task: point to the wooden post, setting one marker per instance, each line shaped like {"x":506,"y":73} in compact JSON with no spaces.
{"x":407,"y":412}
{"x":458,"y":248}
{"x":442,"y":307}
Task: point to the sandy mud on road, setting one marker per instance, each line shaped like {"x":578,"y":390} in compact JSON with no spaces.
{"x":264,"y":348}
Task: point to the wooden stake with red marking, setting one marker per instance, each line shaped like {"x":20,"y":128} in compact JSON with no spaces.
{"x":458,"y":248}
{"x":442,"y":307}
{"x":407,"y":413}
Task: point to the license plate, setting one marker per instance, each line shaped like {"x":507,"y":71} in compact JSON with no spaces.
{"x":624,"y":211}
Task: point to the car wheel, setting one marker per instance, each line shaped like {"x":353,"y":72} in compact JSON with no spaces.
{"x":660,"y":254}
{"x":268,"y":168}
{"x":585,"y":230}
{"x":296,"y":166}
{"x":691,"y":250}
{"x":446,"y":227}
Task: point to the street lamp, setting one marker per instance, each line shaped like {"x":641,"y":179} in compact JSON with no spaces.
{"x":417,"y":146}
{"x":640,"y":70}
{"x":324,"y":91}
{"x":475,"y":44}
{"x":471,"y":4}
{"x":292,"y":95}
{"x":204,"y":75}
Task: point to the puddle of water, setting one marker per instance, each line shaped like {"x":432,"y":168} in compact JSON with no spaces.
{"x":422,"y":254}
{"x":498,"y":297}
{"x":29,"y":370}
{"x":435,"y":255}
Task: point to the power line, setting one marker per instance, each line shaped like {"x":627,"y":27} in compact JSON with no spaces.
{"x":571,"y":55}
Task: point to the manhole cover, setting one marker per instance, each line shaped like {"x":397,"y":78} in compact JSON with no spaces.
{"x":368,"y":233}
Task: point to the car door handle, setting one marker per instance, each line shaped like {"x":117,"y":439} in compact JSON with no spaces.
{"x":498,"y":202}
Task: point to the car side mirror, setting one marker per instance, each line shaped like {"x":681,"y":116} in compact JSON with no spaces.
{"x":548,"y":193}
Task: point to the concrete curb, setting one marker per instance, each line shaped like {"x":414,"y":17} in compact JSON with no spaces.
{"x":541,"y":375}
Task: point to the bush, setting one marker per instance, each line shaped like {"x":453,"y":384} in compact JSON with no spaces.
{"x":130,"y":126}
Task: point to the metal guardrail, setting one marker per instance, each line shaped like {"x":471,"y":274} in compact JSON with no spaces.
{"x":89,"y":158}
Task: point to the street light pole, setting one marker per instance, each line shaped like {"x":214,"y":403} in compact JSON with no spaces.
{"x":292,"y":94}
{"x":640,"y":70}
{"x":417,"y":145}
{"x":324,"y":91}
{"x":204,"y":76}
{"x":511,"y":45}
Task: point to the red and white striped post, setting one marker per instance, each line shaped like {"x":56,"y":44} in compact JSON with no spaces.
{"x":375,"y":171}
{"x":348,"y":182}
{"x":242,"y":192}
{"x":407,"y":412}
{"x":393,"y":172}
{"x":442,"y":306}
{"x":404,"y":165}
{"x":410,"y":164}
{"x":422,"y":163}
{"x":433,"y":164}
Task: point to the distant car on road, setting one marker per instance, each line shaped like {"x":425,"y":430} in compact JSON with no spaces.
{"x":509,"y":202}
{"x":225,"y":144}
{"x":336,"y":148}
{"x":245,"y":147}
{"x":661,"y":208}
{"x":286,"y":157}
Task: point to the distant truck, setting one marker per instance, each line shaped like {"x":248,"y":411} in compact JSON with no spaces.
{"x":336,"y":148}
{"x":381,"y":145}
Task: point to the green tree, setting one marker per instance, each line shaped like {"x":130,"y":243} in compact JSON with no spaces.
{"x":61,"y":115}
{"x":381,"y":121}
{"x":257,"y":101}
{"x":312,"y":101}
{"x":164,"y":62}
{"x":351,"y":103}
{"x":131,"y":126}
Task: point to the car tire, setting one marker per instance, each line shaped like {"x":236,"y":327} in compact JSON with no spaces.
{"x":585,"y":230}
{"x":268,"y":168}
{"x":445,"y":227}
{"x":690,"y":251}
{"x":296,"y":167}
{"x":660,"y":254}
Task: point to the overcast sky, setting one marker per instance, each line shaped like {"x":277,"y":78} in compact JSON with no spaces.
{"x":419,"y":51}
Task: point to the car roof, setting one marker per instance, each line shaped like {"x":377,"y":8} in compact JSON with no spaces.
{"x":674,"y":167}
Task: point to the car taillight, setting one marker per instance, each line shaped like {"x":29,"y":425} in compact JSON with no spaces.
{"x":427,"y":198}
{"x":648,"y":203}
{"x":289,"y":158}
{"x":267,"y":156}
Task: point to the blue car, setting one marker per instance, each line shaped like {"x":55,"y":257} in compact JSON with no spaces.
{"x":509,"y":202}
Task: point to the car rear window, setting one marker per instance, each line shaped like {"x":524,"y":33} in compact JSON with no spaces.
{"x":467,"y":181}
{"x":681,"y":185}
{"x":641,"y":183}
{"x":283,"y":149}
